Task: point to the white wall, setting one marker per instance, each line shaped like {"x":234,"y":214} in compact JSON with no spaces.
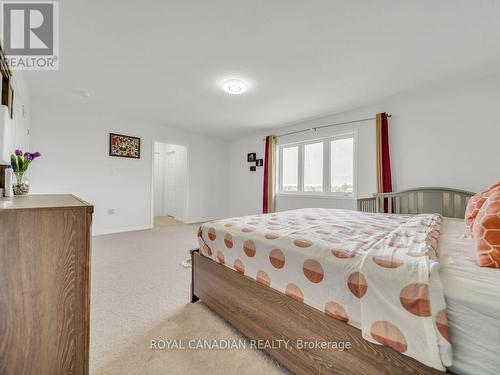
{"x":246,"y":186}
{"x":444,"y":135}
{"x":14,"y":133}
{"x":74,"y":144}
{"x":170,"y":180}
{"x":22,"y":112}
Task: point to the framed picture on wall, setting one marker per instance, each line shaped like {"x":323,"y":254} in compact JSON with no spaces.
{"x":251,"y":157}
{"x":253,"y":168}
{"x":2,"y":74}
{"x":124,"y":146}
{"x":10,"y":101}
{"x":259,"y":162}
{"x":4,"y":85}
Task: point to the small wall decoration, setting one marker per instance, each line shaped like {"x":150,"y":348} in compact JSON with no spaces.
{"x":259,"y":162}
{"x":252,"y":157}
{"x":124,"y":146}
{"x":253,"y":168}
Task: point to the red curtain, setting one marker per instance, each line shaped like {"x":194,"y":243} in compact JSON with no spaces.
{"x":268,"y":201}
{"x":384,"y":176}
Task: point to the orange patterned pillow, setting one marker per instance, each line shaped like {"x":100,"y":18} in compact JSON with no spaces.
{"x":486,"y":232}
{"x":476,"y":202}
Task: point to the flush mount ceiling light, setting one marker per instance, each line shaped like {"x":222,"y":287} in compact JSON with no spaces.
{"x":234,"y":86}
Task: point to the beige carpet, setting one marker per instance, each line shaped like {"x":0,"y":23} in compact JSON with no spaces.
{"x":166,"y":221}
{"x":191,"y":322}
{"x":140,"y":292}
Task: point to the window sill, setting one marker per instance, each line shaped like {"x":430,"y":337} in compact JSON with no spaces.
{"x":319,"y":195}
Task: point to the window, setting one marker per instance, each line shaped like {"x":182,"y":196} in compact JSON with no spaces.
{"x":320,"y":167}
{"x":342,"y":165}
{"x":313,"y":167}
{"x":290,"y":162}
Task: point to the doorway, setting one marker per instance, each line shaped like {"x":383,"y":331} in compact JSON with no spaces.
{"x":170,"y":183}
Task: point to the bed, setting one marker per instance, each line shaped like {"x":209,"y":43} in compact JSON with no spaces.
{"x":473,"y":303}
{"x":241,"y":272}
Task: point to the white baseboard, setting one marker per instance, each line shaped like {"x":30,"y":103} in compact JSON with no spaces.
{"x":201,"y":220}
{"x":101,"y":232}
{"x":181,"y":219}
{"x":120,"y":230}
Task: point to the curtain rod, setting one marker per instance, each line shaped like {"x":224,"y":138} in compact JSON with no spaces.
{"x":326,"y":126}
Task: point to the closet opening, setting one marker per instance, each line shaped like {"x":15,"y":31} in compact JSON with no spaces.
{"x":170,"y":183}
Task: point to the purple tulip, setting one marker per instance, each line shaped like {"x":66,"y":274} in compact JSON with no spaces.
{"x":37,"y":154}
{"x":26,"y":154}
{"x":19,"y":152}
{"x":30,"y":157}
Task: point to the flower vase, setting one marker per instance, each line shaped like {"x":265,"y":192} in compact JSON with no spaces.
{"x":21,"y":187}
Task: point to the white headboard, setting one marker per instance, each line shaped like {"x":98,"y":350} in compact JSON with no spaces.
{"x":445,"y":201}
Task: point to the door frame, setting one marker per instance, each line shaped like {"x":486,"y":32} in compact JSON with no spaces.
{"x":186,"y":218}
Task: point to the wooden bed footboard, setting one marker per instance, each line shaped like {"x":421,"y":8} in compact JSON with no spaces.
{"x":262,"y":313}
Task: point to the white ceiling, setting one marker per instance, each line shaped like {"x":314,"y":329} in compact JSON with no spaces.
{"x":164,"y":60}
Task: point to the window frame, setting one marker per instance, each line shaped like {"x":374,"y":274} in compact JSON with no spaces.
{"x":326,"y":167}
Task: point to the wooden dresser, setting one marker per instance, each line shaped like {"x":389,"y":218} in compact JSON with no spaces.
{"x":44,"y":285}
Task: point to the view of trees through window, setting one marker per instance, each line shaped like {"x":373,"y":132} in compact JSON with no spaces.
{"x":304,"y":167}
{"x":342,"y":165}
{"x":290,"y":165}
{"x":313,"y":167}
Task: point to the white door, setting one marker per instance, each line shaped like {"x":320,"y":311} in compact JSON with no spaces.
{"x":159,"y":209}
{"x":170,"y":184}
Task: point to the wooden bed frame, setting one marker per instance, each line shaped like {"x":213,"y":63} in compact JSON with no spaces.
{"x":262,"y":313}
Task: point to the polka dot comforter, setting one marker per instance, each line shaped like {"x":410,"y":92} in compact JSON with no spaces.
{"x":376,"y":272}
